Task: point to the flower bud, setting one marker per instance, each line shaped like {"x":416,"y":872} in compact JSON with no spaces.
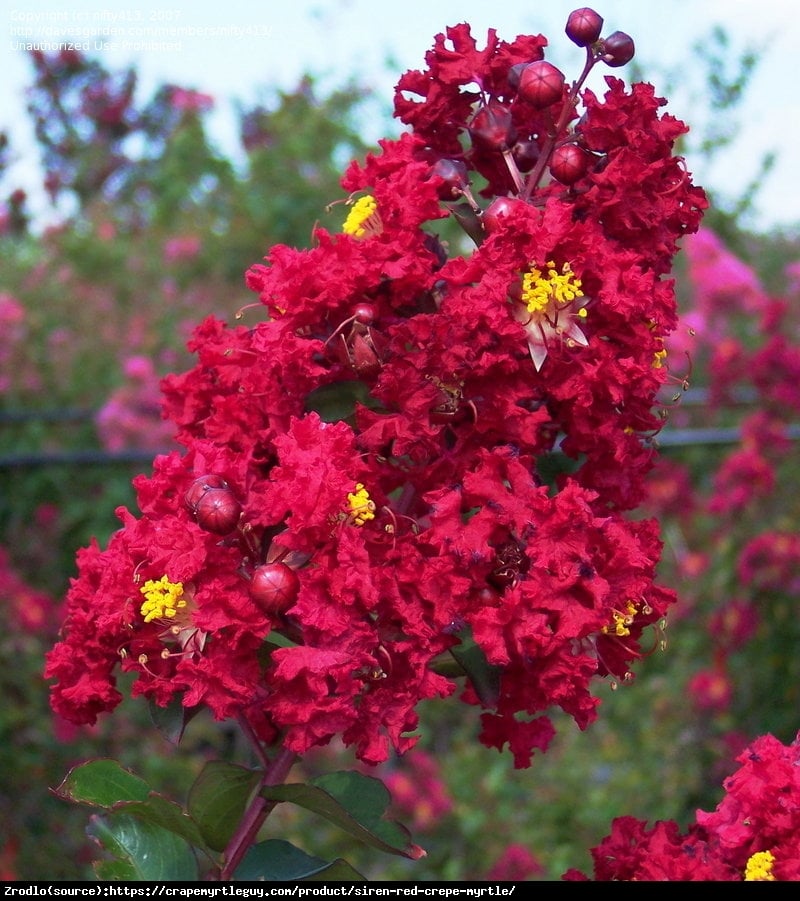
{"x":199,"y":487}
{"x":365,"y":313}
{"x":494,"y":214}
{"x":569,"y":163}
{"x":515,"y":73}
{"x":274,"y":587}
{"x":492,"y":128}
{"x":454,"y":178}
{"x":526,"y":154}
{"x":218,"y":511}
{"x":584,"y":26}
{"x":618,"y":49}
{"x":541,"y":84}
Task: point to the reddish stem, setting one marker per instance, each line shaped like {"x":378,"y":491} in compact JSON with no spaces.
{"x":258,"y":810}
{"x":532,"y":182}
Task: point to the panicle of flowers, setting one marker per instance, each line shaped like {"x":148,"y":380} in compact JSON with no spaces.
{"x":365,"y":489}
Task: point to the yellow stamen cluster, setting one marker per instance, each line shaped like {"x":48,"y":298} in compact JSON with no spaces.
{"x":361,"y":508}
{"x":759,"y":867}
{"x":540,"y":288}
{"x":363,"y":219}
{"x":163,"y":599}
{"x":622,"y":621}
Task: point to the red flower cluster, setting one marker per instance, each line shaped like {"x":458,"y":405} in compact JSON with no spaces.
{"x":753,"y":835}
{"x":432,"y":448}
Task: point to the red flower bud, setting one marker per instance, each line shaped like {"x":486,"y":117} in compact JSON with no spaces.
{"x":569,"y":163}
{"x":525,"y":154}
{"x":497,"y":210}
{"x":584,"y":26}
{"x":199,"y":487}
{"x":454,"y":178}
{"x":515,"y":73}
{"x":541,"y":84}
{"x":492,"y":128}
{"x":274,"y":587}
{"x":618,"y":49}
{"x":365,"y":313}
{"x":218,"y":511}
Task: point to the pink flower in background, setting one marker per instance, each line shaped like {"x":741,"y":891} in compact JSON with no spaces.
{"x":181,"y":248}
{"x":711,"y":690}
{"x":733,"y":624}
{"x":419,"y":791}
{"x":742,"y":478}
{"x":516,"y":864}
{"x":131,"y":417}
{"x":722,"y":281}
{"x":771,"y":562}
{"x":190,"y":101}
{"x":26,"y":608}
{"x":12,"y":331}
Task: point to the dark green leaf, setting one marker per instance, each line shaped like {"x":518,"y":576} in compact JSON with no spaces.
{"x":164,"y":813}
{"x":551,"y":466}
{"x":469,"y":220}
{"x":218,"y":799}
{"x":142,"y":851}
{"x":277,"y":860}
{"x":103,"y":783}
{"x":484,"y":677}
{"x":171,"y":721}
{"x":338,"y":401}
{"x":355,"y":803}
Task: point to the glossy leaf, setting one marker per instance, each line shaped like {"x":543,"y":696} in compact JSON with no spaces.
{"x":353,"y":802}
{"x":159,"y":811}
{"x":102,"y":783}
{"x":172,"y":720}
{"x":484,"y":677}
{"x":277,"y":860}
{"x":142,"y":851}
{"x":218,"y":799}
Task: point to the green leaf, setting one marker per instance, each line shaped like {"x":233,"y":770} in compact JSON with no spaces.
{"x":159,"y":811}
{"x":484,"y":677}
{"x":102,"y":783}
{"x":142,"y":851}
{"x":356,"y":804}
{"x":550,"y":467}
{"x":277,"y":860}
{"x":172,"y":720}
{"x":218,"y":799}
{"x":338,"y":401}
{"x":469,"y":220}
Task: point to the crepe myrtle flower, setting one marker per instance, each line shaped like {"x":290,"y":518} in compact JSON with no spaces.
{"x":363,"y":489}
{"x":552,"y":305}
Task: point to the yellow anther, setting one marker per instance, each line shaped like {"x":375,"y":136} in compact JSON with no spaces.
{"x":360,"y":507}
{"x":540,"y":288}
{"x":363,"y":219}
{"x":163,"y":599}
{"x":759,"y":867}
